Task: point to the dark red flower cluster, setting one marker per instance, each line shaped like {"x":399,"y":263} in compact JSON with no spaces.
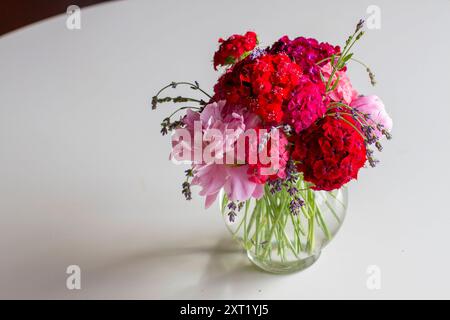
{"x":263,"y":84}
{"x":306,"y":52}
{"x":282,"y":85}
{"x":330,"y":153}
{"x":234,"y":48}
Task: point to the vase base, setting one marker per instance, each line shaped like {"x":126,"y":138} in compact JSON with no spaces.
{"x":279,"y":267}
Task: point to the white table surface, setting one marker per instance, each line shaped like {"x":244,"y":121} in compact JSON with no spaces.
{"x":85,"y":177}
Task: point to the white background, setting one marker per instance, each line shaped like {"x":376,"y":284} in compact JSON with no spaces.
{"x":85,"y":177}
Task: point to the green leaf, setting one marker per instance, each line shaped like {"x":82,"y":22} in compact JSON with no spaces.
{"x":230,"y":60}
{"x":344,"y":60}
{"x":244,"y":55}
{"x":347,"y":57}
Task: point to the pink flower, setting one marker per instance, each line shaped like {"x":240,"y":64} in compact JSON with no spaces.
{"x":234,"y":179}
{"x":344,"y":90}
{"x":374,"y":107}
{"x":212,"y":173}
{"x":216,"y":119}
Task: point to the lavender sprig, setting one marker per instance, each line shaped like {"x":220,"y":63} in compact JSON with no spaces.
{"x":186,"y":186}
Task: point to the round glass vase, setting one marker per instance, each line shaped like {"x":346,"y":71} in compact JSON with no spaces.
{"x":278,"y":241}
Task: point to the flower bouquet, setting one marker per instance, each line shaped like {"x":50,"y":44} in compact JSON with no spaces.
{"x":276,"y":142}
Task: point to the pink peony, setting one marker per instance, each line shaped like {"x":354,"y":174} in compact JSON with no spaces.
{"x":216,"y":118}
{"x":234,"y":179}
{"x":212,"y":173}
{"x":344,"y":90}
{"x":374,"y":107}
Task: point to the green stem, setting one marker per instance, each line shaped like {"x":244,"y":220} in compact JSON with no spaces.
{"x":323,"y":225}
{"x":272,"y":230}
{"x":179,"y":109}
{"x":272,"y":233}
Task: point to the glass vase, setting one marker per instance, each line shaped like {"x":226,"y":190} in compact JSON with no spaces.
{"x":279,"y":241}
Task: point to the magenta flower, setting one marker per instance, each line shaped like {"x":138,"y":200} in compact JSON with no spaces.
{"x":306,"y":105}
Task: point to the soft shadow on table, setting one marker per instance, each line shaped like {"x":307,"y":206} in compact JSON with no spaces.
{"x":228,"y":273}
{"x":188,"y":272}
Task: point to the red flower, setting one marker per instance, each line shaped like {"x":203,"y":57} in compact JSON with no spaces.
{"x":234,"y":48}
{"x":306,"y":52}
{"x":306,"y":105}
{"x":330,"y":153}
{"x":263,"y":84}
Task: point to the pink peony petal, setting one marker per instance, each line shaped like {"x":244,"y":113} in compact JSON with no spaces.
{"x":374,"y":107}
{"x":259,"y":191}
{"x":210,"y":177}
{"x":209,"y":200}
{"x":238,"y":187}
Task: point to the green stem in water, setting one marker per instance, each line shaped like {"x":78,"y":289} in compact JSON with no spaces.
{"x":272,"y":233}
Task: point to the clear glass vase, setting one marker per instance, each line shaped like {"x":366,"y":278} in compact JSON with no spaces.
{"x":278,"y":241}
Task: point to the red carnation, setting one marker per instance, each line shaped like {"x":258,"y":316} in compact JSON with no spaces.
{"x":234,"y":48}
{"x":263,"y":84}
{"x":306,"y":105}
{"x":330,"y":153}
